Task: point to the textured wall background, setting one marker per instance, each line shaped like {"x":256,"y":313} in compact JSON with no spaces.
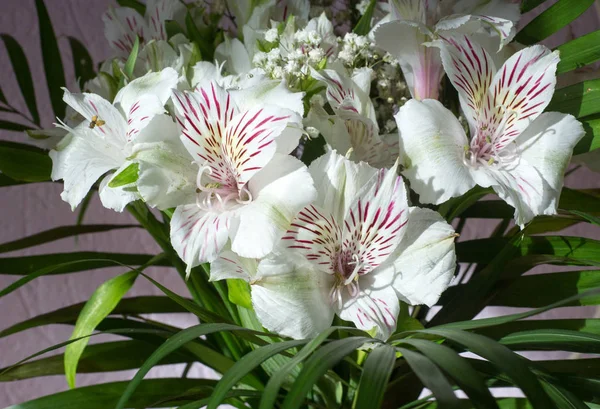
{"x":30,"y":209}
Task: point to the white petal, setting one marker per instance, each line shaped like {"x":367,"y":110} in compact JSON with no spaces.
{"x":119,"y":197}
{"x":375,"y":221}
{"x":280,"y":190}
{"x":269,"y":92}
{"x":155,"y":56}
{"x":425,"y":260}
{"x":121,"y":26}
{"x":337,"y":181}
{"x":235,"y":56}
{"x":92,"y":106}
{"x":158,"y":11}
{"x":421,"y":65}
{"x":522,"y":88}
{"x":155,"y":83}
{"x":547,"y":145}
{"x":471,"y":70}
{"x":141,"y":113}
{"x":80,"y":159}
{"x":432,"y":141}
{"x":376,"y":306}
{"x":506,"y":9}
{"x":230,"y":265}
{"x":167,"y":176}
{"x":290,"y":299}
{"x":203,"y":72}
{"x":199,"y":236}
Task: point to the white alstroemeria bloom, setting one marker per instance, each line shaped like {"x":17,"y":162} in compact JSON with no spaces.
{"x":107,"y":137}
{"x":355,"y":252}
{"x":513,"y":147}
{"x":415,"y":23}
{"x":248,"y":187}
{"x":355,"y":125}
{"x":123,"y":24}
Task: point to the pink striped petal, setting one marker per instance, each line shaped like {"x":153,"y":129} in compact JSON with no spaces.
{"x":158,"y":12}
{"x":374,"y":223}
{"x":121,"y":26}
{"x":141,"y":113}
{"x":199,"y":236}
{"x":315,"y":235}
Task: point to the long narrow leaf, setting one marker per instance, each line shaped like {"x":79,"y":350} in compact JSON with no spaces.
{"x":172,"y":344}
{"x":579,"y":52}
{"x":553,"y":339}
{"x":432,"y":378}
{"x":61,"y":263}
{"x":376,"y":374}
{"x":101,"y":303}
{"x":82,"y":62}
{"x":169,"y":391}
{"x":579,"y":100}
{"x":550,"y":21}
{"x":248,"y":363}
{"x":315,"y":367}
{"x":23,"y":74}
{"x":459,"y":369}
{"x":24,"y":162}
{"x":53,"y":67}
{"x":59,"y":233}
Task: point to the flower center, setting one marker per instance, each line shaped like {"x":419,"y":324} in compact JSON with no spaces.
{"x":217,"y":196}
{"x":348,"y":269}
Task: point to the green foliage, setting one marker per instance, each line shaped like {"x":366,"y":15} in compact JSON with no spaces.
{"x":24,"y":162}
{"x":126,"y":176}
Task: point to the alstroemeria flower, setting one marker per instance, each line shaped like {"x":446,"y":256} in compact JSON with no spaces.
{"x":513,"y":147}
{"x":123,"y":24}
{"x":355,"y":252}
{"x":248,"y":187}
{"x":107,"y":137}
{"x":416,"y":23}
{"x":355,"y":125}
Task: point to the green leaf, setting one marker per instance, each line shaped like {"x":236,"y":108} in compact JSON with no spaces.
{"x":592,"y":219}
{"x":502,"y":357}
{"x":60,"y":233}
{"x":551,"y":20}
{"x":553,"y":340}
{"x":7,"y":181}
{"x":169,"y":392}
{"x":580,"y":100}
{"x":579,"y":52}
{"x":172,"y":28}
{"x":206,"y":48}
{"x":488,"y":322}
{"x":104,"y":357}
{"x":590,"y":325}
{"x":53,"y":67}
{"x":432,"y":378}
{"x":23,"y":74}
{"x":82,"y":61}
{"x":364,"y":24}
{"x":239,"y":293}
{"x":578,"y":250}
{"x":313,"y":148}
{"x":272,"y":389}
{"x":133,"y":4}
{"x":375,"y":376}
{"x":562,"y":397}
{"x":548,"y":288}
{"x":68,"y":315}
{"x":315,"y":367}
{"x":13,"y":126}
{"x":457,"y":205}
{"x":126,"y":176}
{"x":528,"y":5}
{"x":24,"y":162}
{"x":247,"y":364}
{"x":130,"y":63}
{"x":71,"y":262}
{"x":172,"y":344}
{"x":459,"y":369}
{"x":101,"y":303}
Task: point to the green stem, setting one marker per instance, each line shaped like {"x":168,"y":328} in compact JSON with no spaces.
{"x":198,"y":284}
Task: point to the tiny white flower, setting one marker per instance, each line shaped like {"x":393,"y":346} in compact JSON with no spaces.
{"x":271,"y":35}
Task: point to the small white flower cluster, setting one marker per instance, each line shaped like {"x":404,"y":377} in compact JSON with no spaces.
{"x":289,"y":54}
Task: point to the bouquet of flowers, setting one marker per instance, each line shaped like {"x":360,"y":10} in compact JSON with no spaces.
{"x":306,"y":169}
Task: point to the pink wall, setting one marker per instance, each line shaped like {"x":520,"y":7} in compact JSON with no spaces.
{"x":34,"y":208}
